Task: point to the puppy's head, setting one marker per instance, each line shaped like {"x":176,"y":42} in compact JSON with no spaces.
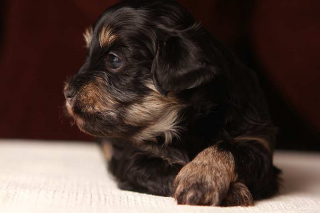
{"x":141,"y":55}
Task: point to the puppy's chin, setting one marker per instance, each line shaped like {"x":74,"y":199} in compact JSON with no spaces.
{"x":95,"y":124}
{"x":77,"y":119}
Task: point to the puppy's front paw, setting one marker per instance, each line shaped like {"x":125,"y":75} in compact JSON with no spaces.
{"x":200,"y":184}
{"x":238,"y":195}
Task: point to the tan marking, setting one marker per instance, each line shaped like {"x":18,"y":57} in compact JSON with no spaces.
{"x":92,"y":99}
{"x":107,"y":150}
{"x":88,"y":36}
{"x":260,"y":139}
{"x":106,"y":37}
{"x":95,"y":99}
{"x":158,"y":113}
{"x":206,"y":179}
{"x":161,"y":113}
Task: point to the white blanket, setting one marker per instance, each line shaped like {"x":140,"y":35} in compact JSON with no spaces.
{"x":45,"y":177}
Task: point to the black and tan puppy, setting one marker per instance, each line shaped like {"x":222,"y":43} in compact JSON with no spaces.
{"x":178,"y":114}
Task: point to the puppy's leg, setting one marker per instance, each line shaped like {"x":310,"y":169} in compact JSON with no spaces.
{"x":254,"y":167}
{"x":140,"y":171}
{"x":206,"y":179}
{"x":228,"y":173}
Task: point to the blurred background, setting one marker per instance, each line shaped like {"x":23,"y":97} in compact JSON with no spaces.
{"x":41,"y":44}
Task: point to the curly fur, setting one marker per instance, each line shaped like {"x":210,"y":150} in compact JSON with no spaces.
{"x":184,"y":117}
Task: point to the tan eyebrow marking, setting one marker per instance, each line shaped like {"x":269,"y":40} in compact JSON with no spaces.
{"x":88,"y":36}
{"x":106,"y":36}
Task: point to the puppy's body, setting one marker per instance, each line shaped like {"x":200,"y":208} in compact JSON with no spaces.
{"x":183,"y":116}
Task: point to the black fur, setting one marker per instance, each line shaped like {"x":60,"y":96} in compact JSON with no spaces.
{"x":219,"y":100}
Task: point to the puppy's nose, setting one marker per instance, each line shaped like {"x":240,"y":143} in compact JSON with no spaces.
{"x":69,"y":94}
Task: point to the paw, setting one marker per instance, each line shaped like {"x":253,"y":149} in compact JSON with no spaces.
{"x":200,"y":184}
{"x":238,"y":195}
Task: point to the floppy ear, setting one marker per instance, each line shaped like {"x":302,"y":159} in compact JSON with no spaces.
{"x":181,"y":62}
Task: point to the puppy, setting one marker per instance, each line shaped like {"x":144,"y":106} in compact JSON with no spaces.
{"x":179,"y":115}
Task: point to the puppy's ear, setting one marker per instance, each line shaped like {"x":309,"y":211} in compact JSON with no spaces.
{"x":181,"y":61}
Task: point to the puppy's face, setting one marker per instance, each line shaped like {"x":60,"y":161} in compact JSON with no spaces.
{"x":134,"y":69}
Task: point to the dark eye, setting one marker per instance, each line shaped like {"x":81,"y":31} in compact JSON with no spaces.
{"x":114,"y":61}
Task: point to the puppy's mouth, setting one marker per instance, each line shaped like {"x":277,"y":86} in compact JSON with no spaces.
{"x":81,"y":116}
{"x":94,"y":123}
{"x":76,"y":119}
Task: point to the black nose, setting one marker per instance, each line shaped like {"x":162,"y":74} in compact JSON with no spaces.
{"x":69,"y":93}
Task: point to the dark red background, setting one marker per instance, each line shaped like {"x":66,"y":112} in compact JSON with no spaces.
{"x":41,"y":44}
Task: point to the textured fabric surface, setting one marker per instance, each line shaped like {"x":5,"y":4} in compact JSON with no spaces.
{"x":37,"y":176}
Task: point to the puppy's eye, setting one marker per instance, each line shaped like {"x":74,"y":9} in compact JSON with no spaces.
{"x":114,"y":61}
